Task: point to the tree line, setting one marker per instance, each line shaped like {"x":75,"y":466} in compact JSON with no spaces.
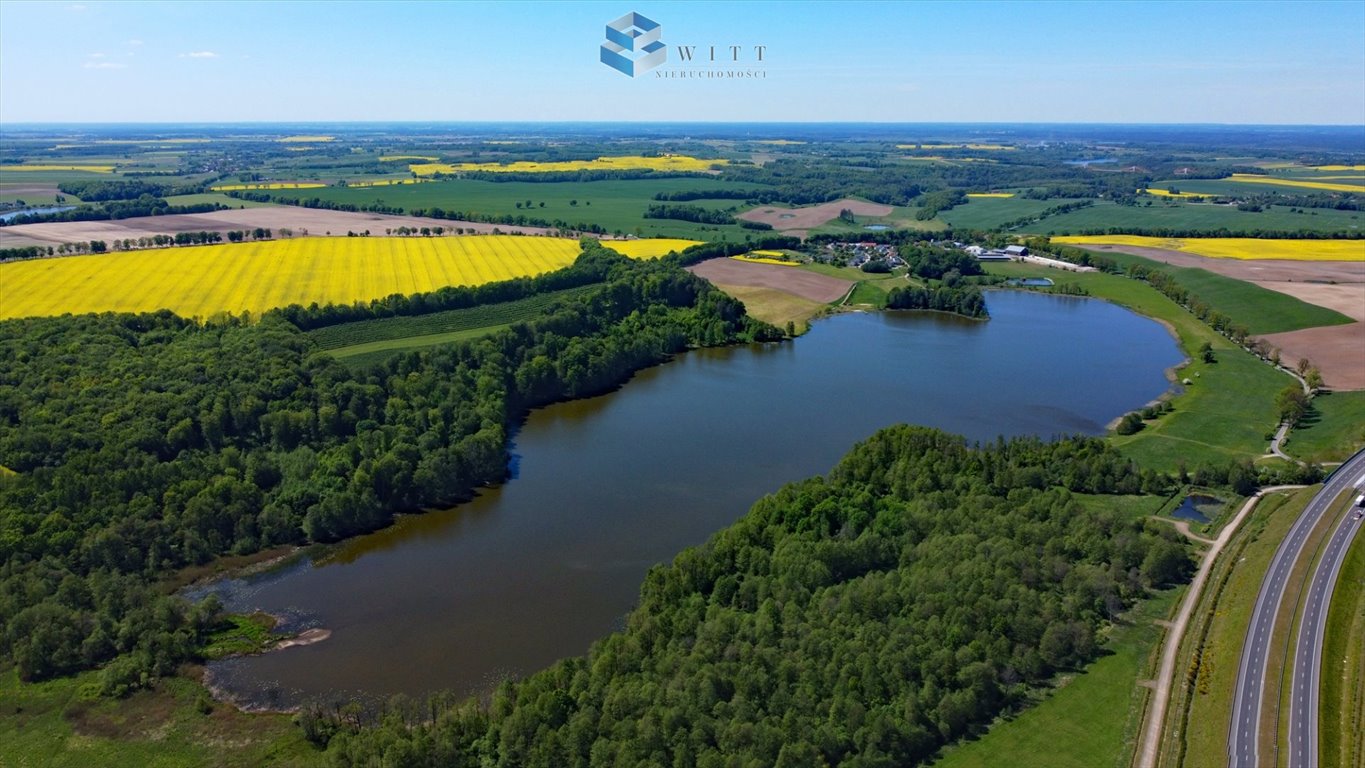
{"x":693,"y":213}
{"x":145,"y":205}
{"x":965,"y":300}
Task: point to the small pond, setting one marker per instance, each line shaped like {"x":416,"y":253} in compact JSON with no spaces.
{"x":1198,"y":507}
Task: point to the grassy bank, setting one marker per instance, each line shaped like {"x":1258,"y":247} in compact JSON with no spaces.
{"x":1333,"y":429}
{"x":61,"y":723}
{"x":1201,"y":701}
{"x":1343,"y":674}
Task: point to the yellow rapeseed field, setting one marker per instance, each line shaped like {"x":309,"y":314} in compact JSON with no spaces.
{"x":990,"y":194}
{"x":200,"y":281}
{"x":269,"y":185}
{"x":1251,"y":178}
{"x":1339,"y":167}
{"x":1168,"y":193}
{"x":86,"y":168}
{"x":1236,"y":247}
{"x":648,"y":249}
{"x":623,"y":163}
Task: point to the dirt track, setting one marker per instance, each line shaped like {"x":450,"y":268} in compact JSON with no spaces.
{"x":793,"y":280}
{"x":797,"y":221}
{"x":314,"y":221}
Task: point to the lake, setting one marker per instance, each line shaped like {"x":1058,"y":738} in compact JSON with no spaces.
{"x":604,"y":488}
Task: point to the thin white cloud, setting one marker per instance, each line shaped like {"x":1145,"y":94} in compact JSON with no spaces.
{"x":135,"y":43}
{"x":94,"y":55}
{"x":199,"y":55}
{"x":104,"y":65}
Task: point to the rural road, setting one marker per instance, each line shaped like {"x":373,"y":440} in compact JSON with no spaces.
{"x":1243,"y":747}
{"x":1150,"y":749}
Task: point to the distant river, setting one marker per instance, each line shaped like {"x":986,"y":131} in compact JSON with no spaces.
{"x":604,"y":488}
{"x":34,"y":212}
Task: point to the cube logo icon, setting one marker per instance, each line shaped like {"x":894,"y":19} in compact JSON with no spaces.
{"x":632,"y":46}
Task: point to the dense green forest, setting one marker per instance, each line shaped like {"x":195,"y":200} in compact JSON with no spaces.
{"x":861,"y":619}
{"x":965,"y":300}
{"x":144,"y":443}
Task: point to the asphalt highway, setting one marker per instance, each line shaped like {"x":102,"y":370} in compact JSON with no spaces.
{"x":1243,"y":749}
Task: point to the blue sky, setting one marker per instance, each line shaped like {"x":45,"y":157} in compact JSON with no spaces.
{"x":1149,"y":62}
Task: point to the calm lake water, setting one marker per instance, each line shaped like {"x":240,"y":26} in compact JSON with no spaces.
{"x":605,"y":488}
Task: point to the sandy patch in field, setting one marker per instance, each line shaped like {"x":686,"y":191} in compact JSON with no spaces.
{"x":316,"y":221}
{"x":797,"y":282}
{"x":1337,"y":350}
{"x":797,"y":221}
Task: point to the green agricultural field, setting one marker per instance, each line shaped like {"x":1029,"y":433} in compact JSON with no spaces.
{"x":1104,"y":215}
{"x":60,"y":724}
{"x":986,"y":213}
{"x":214,"y":197}
{"x":1261,"y":310}
{"x":1090,"y":720}
{"x":1228,"y":410}
{"x":368,"y":341}
{"x":617,"y":205}
{"x":1333,"y":429}
{"x":38,"y":195}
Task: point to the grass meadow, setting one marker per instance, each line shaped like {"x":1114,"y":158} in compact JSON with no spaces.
{"x":173,"y":724}
{"x":369,"y":340}
{"x":1333,"y":429}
